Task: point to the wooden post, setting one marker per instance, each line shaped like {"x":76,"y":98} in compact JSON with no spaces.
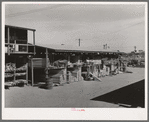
{"x":79,"y":57}
{"x":14,"y":78}
{"x":34,"y":42}
{"x":27,"y":41}
{"x":27,"y":72}
{"x":88,"y":72}
{"x":99,"y":70}
{"x":66,"y":65}
{"x":49,"y":84}
{"x":27,"y":47}
{"x":68,"y":57}
{"x":14,"y":45}
{"x":32,"y":71}
{"x":15,"y":70}
{"x":8,"y":42}
{"x":47,"y":63}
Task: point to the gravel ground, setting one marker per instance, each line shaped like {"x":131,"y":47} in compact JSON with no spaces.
{"x":76,"y":94}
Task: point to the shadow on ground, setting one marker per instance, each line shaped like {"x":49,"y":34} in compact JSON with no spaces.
{"x":129,"y":96}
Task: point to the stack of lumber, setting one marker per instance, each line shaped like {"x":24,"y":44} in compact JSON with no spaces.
{"x":76,"y":74}
{"x":10,"y":67}
{"x":80,"y":78}
{"x":58,"y":77}
{"x":103,"y":71}
{"x":95,"y":71}
{"x":107,"y":71}
{"x":69,"y":77}
{"x":64,"y":74}
{"x":73,"y":79}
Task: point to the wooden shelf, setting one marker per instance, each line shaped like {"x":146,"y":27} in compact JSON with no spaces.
{"x":20,"y":74}
{"x":9,"y":76}
{"x":15,"y":44}
{"x":17,"y":39}
{"x":17,"y":73}
{"x":9,"y":71}
{"x":28,"y":53}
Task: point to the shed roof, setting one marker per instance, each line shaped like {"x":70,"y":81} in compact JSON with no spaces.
{"x":10,"y":26}
{"x":70,"y":48}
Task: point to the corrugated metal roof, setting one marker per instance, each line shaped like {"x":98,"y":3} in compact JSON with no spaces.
{"x":70,"y":48}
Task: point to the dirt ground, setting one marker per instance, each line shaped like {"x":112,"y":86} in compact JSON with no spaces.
{"x":76,"y":94}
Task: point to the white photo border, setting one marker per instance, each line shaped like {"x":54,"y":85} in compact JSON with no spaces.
{"x":66,"y":113}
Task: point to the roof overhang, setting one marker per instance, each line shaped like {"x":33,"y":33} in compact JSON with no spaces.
{"x":10,"y":26}
{"x":77,"y":50}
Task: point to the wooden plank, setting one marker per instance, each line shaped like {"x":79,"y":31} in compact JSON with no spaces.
{"x":95,"y":76}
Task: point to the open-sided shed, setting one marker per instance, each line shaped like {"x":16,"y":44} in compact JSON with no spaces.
{"x":48,"y":54}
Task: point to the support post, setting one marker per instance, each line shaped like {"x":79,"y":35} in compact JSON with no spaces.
{"x":14,"y":46}
{"x":34,"y":42}
{"x":79,"y":42}
{"x":27,"y":73}
{"x":68,"y":57}
{"x":14,"y":78}
{"x":47,"y":63}
{"x":49,"y":84}
{"x":15,"y":70}
{"x":32,"y":70}
{"x":8,"y":42}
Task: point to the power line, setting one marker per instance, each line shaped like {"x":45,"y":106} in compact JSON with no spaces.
{"x":118,"y":30}
{"x":33,"y":11}
{"x":127,"y":27}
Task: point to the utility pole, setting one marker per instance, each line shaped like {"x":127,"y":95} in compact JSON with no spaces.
{"x":106,"y":46}
{"x":79,"y":42}
{"x":103,"y":46}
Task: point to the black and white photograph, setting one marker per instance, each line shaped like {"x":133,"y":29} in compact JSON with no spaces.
{"x":74,"y":60}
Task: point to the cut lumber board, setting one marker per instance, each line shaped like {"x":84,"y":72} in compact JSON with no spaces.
{"x":95,"y":76}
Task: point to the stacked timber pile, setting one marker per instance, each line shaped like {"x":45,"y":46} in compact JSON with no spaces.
{"x":91,"y":70}
{"x":113,"y":65}
{"x":107,"y":71}
{"x":75,"y":72}
{"x":58,"y":76}
{"x":58,"y":72}
{"x":69,"y":77}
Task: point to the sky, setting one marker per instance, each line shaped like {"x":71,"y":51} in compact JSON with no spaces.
{"x":120,"y":26}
